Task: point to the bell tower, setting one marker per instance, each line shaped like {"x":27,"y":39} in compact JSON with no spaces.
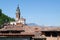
{"x":17,"y":13}
{"x":19,"y":20}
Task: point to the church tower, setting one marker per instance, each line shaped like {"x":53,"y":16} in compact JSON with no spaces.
{"x":19,"y":20}
{"x":17,"y":13}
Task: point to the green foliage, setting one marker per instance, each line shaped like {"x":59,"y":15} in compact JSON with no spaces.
{"x":4,"y":18}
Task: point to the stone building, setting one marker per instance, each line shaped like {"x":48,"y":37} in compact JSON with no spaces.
{"x":19,"y":30}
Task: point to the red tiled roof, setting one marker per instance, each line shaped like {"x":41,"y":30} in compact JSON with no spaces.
{"x":11,"y":27}
{"x":27,"y":29}
{"x":51,"y":29}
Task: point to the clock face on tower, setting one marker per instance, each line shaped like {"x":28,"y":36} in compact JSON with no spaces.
{"x":17,"y":11}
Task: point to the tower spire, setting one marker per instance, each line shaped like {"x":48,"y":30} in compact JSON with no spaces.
{"x":18,"y":13}
{"x":18,"y":9}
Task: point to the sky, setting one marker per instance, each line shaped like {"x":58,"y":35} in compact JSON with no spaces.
{"x":40,"y":12}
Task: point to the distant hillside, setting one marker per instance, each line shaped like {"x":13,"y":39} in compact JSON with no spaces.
{"x":32,"y":24}
{"x":4,"y":18}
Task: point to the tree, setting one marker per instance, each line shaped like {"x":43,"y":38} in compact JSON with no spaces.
{"x":0,"y":12}
{"x":4,"y":18}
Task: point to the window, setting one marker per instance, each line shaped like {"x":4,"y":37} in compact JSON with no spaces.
{"x":54,"y":34}
{"x":47,"y":34}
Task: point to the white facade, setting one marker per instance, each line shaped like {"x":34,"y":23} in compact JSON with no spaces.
{"x":13,"y":23}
